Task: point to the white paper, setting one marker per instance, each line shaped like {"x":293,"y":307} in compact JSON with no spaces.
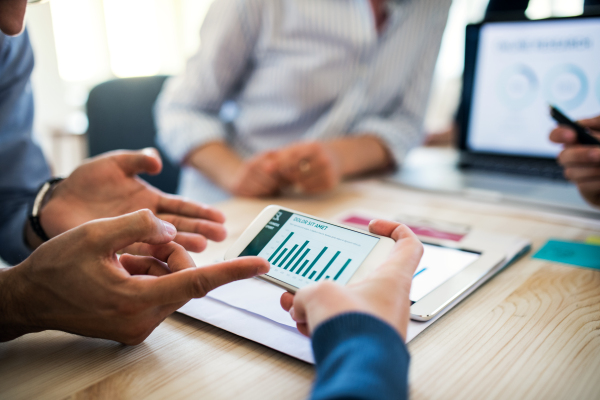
{"x":251,"y":309}
{"x":251,"y":326}
{"x":256,"y":296}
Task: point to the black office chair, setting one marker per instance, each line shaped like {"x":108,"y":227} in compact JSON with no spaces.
{"x":120,"y":117}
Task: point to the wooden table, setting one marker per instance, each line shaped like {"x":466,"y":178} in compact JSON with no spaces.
{"x":531,"y":332}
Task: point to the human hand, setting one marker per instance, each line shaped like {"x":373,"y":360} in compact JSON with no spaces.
{"x":581,"y":163}
{"x":383,"y":294}
{"x":107,"y":186}
{"x":257,"y":177}
{"x":75,"y":282}
{"x":310,"y":166}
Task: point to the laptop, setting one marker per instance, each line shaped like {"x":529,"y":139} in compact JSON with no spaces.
{"x":513,"y":71}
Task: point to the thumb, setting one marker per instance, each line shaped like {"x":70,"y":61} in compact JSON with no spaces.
{"x":406,"y":253}
{"x":194,"y":283}
{"x":114,"y":234}
{"x":138,"y":162}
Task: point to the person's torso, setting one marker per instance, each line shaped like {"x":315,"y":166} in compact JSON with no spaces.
{"x":312,"y":54}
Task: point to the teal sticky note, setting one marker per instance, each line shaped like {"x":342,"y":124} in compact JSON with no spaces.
{"x":574,"y":253}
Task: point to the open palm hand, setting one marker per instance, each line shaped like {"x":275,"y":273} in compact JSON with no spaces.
{"x":108,"y":186}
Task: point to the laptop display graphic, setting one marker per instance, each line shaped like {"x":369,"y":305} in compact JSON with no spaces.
{"x":513,"y":71}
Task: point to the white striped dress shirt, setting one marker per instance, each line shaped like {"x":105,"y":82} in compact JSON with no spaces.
{"x":272,"y":72}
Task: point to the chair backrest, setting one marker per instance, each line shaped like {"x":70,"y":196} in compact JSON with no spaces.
{"x":120,"y":114}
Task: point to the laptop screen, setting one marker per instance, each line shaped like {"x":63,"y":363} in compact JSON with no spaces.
{"x":522,"y":67}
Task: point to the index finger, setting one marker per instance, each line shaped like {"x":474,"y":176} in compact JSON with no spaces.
{"x":197,"y":282}
{"x":563,"y":135}
{"x":170,"y":204}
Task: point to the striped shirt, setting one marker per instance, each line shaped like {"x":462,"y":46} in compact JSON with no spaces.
{"x":273,"y":72}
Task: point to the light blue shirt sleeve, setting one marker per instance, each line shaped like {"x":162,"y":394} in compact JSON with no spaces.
{"x":187,"y":111}
{"x":22,"y":163}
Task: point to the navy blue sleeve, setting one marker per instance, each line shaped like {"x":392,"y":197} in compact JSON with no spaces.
{"x":359,"y":356}
{"x":22,"y":164}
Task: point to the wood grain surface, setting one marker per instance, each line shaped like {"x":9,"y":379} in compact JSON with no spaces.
{"x":532,"y":332}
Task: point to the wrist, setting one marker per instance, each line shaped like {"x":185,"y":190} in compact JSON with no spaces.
{"x":15,"y":318}
{"x":359,"y":154}
{"x":36,"y":231}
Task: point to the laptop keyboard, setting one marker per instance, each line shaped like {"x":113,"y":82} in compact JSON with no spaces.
{"x":529,"y":167}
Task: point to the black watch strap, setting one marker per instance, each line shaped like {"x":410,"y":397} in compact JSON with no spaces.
{"x":43,"y":194}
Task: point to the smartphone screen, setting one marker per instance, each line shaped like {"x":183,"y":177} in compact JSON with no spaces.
{"x":303,"y":250}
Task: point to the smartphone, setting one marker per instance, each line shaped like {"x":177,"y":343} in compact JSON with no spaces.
{"x":583,"y":134}
{"x":303,"y":249}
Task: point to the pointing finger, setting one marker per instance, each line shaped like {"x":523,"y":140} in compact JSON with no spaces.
{"x":197,"y":282}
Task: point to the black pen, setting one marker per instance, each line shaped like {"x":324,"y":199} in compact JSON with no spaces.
{"x":584,"y":136}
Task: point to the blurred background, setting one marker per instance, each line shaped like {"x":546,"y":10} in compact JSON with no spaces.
{"x":81,"y":43}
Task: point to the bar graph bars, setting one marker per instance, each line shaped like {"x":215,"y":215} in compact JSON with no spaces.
{"x":295,"y":260}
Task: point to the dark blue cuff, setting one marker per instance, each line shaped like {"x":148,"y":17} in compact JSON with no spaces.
{"x":359,"y":356}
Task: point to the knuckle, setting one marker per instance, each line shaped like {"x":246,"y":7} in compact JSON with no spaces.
{"x":419,"y":249}
{"x":325,"y":288}
{"x":199,"y":287}
{"x":90,"y":233}
{"x":146,"y":217}
{"x":314,"y":146}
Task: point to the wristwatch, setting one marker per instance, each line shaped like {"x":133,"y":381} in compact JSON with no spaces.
{"x":42,"y":197}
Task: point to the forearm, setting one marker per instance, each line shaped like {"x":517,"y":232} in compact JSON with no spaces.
{"x":360,"y":154}
{"x":217,"y":161}
{"x":361,"y":357}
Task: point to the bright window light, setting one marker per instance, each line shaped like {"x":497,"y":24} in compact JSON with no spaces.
{"x":195,"y":11}
{"x":539,"y":9}
{"x":567,"y":8}
{"x":78,"y":37}
{"x":133,"y":34}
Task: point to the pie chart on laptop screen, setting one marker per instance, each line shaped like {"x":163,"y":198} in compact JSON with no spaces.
{"x":518,"y":86}
{"x":566,"y":86}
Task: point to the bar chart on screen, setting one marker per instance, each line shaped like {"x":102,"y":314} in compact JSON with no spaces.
{"x":302,"y":252}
